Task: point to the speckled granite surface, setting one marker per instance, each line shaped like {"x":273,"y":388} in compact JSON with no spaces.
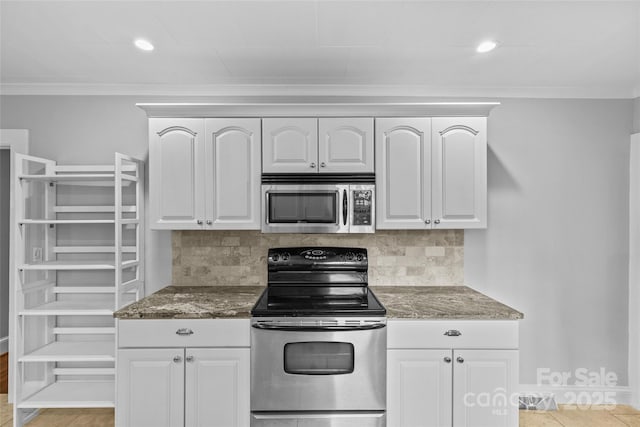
{"x":235,"y":302}
{"x":441,"y":302}
{"x":194,"y":302}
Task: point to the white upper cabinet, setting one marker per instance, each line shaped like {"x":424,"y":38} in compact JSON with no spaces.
{"x":431,"y":173}
{"x":459,"y":191}
{"x":290,"y":145}
{"x":232,"y":153}
{"x":325,"y":145}
{"x":403,"y":173}
{"x":176,"y":173}
{"x":205,"y":173}
{"x":345,"y":145}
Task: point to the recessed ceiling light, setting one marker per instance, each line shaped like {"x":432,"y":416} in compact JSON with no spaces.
{"x":486,"y":46}
{"x":143,"y":44}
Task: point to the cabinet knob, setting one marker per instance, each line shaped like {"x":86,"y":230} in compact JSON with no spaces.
{"x":209,"y":222}
{"x":312,"y":165}
{"x":427,"y":221}
{"x":199,"y":222}
{"x":177,"y":359}
{"x":453,"y":333}
{"x":460,"y":359}
{"x":323,"y":165}
{"x":189,"y":358}
{"x":447,"y":359}
{"x":437,"y":221}
{"x":184,"y":332}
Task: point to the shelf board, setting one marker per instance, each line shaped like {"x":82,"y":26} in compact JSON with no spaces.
{"x":92,"y":209}
{"x":82,"y":177}
{"x":71,"y":308}
{"x":84,"y":290}
{"x":73,"y":351}
{"x":91,"y":249}
{"x":85,"y":330}
{"x":65,"y":221}
{"x":70,"y":265}
{"x":73,"y":394}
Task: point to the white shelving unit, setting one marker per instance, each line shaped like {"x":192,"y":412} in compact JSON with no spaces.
{"x":77,"y":257}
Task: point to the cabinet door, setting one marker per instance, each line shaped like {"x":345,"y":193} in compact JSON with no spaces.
{"x":484,"y":383}
{"x":403,"y":173}
{"x":459,"y":194}
{"x":217,"y":387}
{"x":150,"y":389}
{"x":289,"y":145}
{"x":176,"y":173}
{"x":232,"y":186}
{"x":345,"y":145}
{"x":419,"y":388}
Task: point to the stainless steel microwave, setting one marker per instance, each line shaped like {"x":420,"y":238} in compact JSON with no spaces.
{"x":318,"y":208}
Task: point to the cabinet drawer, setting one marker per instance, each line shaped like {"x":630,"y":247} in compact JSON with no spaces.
{"x":432,"y":334}
{"x":184,"y":333}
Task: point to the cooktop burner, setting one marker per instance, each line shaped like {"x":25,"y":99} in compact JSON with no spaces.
{"x":318,"y":281}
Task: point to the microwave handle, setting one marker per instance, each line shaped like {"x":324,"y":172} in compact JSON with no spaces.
{"x":345,"y":207}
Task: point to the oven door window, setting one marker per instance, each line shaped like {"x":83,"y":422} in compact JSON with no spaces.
{"x":318,"y":207}
{"x":318,"y":358}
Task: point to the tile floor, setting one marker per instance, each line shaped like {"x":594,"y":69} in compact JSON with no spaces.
{"x":566,"y":416}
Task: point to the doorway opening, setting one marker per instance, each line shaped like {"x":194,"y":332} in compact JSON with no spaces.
{"x":5,"y":176}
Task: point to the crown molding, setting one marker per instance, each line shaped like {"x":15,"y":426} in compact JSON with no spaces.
{"x":617,"y":92}
{"x":310,"y":107}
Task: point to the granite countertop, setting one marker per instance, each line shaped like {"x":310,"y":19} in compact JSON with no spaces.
{"x":194,"y":302}
{"x":441,"y":302}
{"x":235,"y":302}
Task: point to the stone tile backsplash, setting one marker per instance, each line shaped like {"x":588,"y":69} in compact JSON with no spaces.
{"x":396,"y":257}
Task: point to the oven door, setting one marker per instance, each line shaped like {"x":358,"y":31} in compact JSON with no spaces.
{"x":305,"y":208}
{"x":314,"y":365}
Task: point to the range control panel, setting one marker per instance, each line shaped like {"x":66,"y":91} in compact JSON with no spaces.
{"x":301,"y":257}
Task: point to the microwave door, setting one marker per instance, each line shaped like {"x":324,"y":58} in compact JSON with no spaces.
{"x":304,"y":209}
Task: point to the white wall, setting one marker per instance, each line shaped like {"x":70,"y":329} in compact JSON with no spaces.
{"x":636,"y":115}
{"x":557,"y":243}
{"x":556,"y":246}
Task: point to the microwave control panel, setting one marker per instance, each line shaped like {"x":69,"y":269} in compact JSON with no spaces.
{"x":362,"y":207}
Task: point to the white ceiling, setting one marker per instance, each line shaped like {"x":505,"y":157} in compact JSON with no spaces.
{"x":547,"y":48}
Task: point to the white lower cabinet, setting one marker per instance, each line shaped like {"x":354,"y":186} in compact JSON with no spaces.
{"x":183,"y":386}
{"x":455,"y":386}
{"x":150,"y":387}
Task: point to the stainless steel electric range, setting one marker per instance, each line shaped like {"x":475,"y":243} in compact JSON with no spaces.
{"x":318,"y":342}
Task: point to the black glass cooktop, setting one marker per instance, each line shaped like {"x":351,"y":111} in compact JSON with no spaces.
{"x":318,"y":305}
{"x":318,"y":281}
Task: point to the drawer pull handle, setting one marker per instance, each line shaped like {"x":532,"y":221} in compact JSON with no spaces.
{"x":185,"y":332}
{"x":189,"y":358}
{"x":447,"y":359}
{"x":460,"y":359}
{"x":177,"y":359}
{"x":453,"y":333}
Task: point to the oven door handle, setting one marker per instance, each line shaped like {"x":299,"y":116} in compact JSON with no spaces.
{"x":319,"y":328}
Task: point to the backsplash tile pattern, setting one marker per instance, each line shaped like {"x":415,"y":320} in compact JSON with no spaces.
{"x":396,"y":257}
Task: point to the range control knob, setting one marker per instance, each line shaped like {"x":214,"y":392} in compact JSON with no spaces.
{"x":285,"y":256}
{"x":359,"y":257}
{"x":275,"y":257}
{"x":349,"y":256}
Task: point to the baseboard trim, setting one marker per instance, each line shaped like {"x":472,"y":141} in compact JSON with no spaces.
{"x":573,"y":395}
{"x":4,"y":345}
